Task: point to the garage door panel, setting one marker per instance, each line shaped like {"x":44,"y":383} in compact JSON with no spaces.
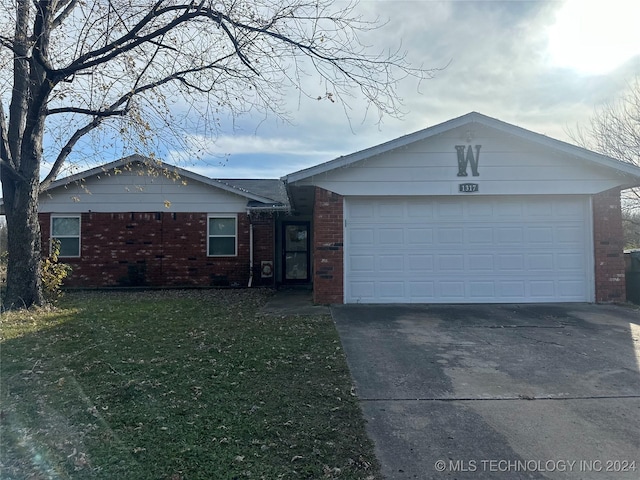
{"x":451,"y":263}
{"x":391,"y":263}
{"x":480,"y":210}
{"x":568,"y":209}
{"x":512,"y":290}
{"x":422,"y":291}
{"x":540,"y":262}
{"x":419,"y":237}
{"x":365,"y":291}
{"x":480,"y":263}
{"x":391,"y":237}
{"x":361,"y":237}
{"x":449,"y":210}
{"x":363,"y":264}
{"x":542,"y":289}
{"x":360,"y":211}
{"x":540,"y":235}
{"x":420,"y":263}
{"x":479,"y":235}
{"x":570,"y":262}
{"x":479,"y":290}
{"x":511,"y":263}
{"x":391,"y":291}
{"x":391,"y":210}
{"x":451,"y":236}
{"x":479,"y":249}
{"x":570,"y":288}
{"x":542,"y":209}
{"x":452,"y":290}
{"x":510,"y":235}
{"x":510,"y":209}
{"x":420,"y":209}
{"x":569,"y":236}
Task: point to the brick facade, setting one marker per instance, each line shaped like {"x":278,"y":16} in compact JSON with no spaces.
{"x":161,"y":249}
{"x":608,"y":245}
{"x":328,"y":247}
{"x":170,"y":249}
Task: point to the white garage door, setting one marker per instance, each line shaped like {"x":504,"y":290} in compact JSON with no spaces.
{"x":467,"y":250}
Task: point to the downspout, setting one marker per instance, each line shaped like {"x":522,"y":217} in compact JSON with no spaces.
{"x":250,"y":251}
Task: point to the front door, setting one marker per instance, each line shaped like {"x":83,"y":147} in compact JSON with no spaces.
{"x":295,"y":252}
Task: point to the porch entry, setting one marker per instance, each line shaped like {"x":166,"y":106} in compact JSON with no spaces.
{"x":295,"y":252}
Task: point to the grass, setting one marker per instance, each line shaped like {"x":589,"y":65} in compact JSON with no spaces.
{"x":177,"y":385}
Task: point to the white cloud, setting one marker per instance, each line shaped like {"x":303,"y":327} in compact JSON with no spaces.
{"x":595,"y":37}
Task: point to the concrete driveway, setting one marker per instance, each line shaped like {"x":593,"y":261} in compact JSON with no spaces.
{"x":498,"y":391}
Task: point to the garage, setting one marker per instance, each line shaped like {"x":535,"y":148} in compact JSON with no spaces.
{"x":499,"y":249}
{"x":472,"y":210}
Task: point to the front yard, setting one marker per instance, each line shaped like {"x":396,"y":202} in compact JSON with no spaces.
{"x":176,"y":385}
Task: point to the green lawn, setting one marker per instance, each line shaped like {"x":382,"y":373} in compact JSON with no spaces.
{"x":176,"y":385}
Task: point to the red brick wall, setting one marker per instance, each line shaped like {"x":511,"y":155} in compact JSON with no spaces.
{"x":608,"y":245}
{"x":159,"y":249}
{"x":328,"y":248}
{"x":263,"y":246}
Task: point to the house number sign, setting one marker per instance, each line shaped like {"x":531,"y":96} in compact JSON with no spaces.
{"x":468,"y":187}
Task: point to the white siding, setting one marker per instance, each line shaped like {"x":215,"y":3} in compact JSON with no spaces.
{"x":506,"y":167}
{"x":138,"y":191}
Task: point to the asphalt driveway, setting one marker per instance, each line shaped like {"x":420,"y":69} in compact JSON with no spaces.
{"x":498,"y":391}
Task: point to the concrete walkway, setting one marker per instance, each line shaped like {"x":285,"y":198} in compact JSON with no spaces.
{"x":293,"y":302}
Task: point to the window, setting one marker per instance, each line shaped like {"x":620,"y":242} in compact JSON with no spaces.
{"x":222,"y":233}
{"x":66,"y":229}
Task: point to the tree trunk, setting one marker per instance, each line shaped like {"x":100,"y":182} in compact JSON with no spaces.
{"x":24,"y":283}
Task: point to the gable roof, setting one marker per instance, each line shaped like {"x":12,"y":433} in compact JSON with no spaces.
{"x":468,"y":119}
{"x":271,"y":188}
{"x":266,"y":192}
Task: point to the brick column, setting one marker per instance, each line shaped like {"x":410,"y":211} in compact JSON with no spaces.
{"x":608,"y":246}
{"x":327,"y":247}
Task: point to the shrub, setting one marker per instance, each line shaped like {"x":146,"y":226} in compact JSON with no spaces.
{"x":54,"y":273}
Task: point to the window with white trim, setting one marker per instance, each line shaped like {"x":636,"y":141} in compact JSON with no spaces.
{"x":222,"y":235}
{"x":66,"y":229}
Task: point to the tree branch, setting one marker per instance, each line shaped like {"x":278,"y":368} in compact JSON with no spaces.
{"x":66,"y":150}
{"x":130,"y":40}
{"x":20,"y":91}
{"x":12,"y":171}
{"x":6,"y":159}
{"x":86,"y":111}
{"x":236,"y":46}
{"x":71,"y":4}
{"x":5,"y":150}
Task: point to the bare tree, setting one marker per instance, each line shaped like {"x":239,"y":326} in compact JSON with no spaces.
{"x":124,"y":68}
{"x":614,"y":130}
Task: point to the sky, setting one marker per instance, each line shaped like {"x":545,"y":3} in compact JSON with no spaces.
{"x":542,"y":65}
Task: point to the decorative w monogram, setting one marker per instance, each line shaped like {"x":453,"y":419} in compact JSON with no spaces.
{"x":469,"y":158}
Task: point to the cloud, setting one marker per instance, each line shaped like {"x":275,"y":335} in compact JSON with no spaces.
{"x":499,"y":60}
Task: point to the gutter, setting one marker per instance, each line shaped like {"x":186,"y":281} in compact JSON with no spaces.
{"x":275,"y":208}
